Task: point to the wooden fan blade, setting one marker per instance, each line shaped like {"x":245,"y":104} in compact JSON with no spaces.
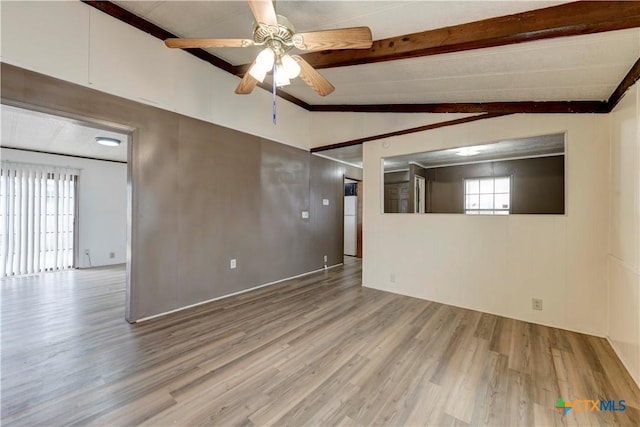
{"x":343,"y":38}
{"x":264,"y":12}
{"x":206,"y":43}
{"x":248,"y":83}
{"x":314,"y":79}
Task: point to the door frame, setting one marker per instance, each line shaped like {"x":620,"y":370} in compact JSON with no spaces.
{"x":131,"y":133}
{"x":420,"y":194}
{"x":359,"y":210}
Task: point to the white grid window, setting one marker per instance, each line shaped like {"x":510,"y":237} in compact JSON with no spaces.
{"x":487,"y":196}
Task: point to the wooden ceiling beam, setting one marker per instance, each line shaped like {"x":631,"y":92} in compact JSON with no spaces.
{"x":480,"y":107}
{"x":632,"y":76}
{"x":405,"y":132}
{"x":570,"y":19}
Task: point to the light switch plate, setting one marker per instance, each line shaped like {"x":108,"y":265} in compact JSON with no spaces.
{"x":305,"y":214}
{"x":325,"y":202}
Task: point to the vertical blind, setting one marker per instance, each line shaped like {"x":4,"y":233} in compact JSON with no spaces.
{"x":37,"y":218}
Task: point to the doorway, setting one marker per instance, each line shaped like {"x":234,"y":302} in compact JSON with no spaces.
{"x":352,"y":217}
{"x":66,"y":191}
{"x":419,"y":186}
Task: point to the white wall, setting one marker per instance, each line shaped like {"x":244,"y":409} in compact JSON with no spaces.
{"x":334,"y":127}
{"x":497,"y":264}
{"x":623,"y":260}
{"x":77,"y":43}
{"x":102,"y":198}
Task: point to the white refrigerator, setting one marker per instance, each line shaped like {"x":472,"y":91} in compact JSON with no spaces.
{"x":350,"y":225}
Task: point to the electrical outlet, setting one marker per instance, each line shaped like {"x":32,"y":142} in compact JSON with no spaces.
{"x":536,"y":304}
{"x":325,"y":202}
{"x":232,"y":264}
{"x":393,"y":278}
{"x":112,"y":255}
{"x":86,"y":251}
{"x":325,"y":258}
{"x":305,"y":214}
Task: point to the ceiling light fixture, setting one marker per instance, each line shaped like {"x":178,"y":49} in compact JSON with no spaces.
{"x":467,"y":151}
{"x":286,"y":68}
{"x":109,"y":142}
{"x":264,"y":64}
{"x":291,"y":67}
{"x":277,"y":37}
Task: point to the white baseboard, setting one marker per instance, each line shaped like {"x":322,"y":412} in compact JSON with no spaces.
{"x":495,"y":313}
{"x":144,"y":319}
{"x":621,"y":359}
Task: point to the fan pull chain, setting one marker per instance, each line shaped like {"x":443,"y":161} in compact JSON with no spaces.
{"x":274,"y":93}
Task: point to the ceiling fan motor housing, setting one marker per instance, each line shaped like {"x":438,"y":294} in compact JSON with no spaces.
{"x":279,"y":38}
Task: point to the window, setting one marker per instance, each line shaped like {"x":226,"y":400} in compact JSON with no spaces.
{"x":37,"y":218}
{"x":487,"y":196}
{"x":508,"y":177}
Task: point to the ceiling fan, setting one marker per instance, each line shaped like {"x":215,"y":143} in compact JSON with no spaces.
{"x":279,"y":36}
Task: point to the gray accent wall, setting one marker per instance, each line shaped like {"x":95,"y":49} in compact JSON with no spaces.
{"x":537,"y":184}
{"x":202,"y":195}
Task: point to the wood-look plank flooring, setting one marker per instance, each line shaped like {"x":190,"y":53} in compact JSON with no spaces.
{"x":319,"y":350}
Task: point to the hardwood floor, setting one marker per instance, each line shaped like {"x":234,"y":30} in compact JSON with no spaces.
{"x":319,"y":350}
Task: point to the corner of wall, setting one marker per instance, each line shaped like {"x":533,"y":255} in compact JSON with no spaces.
{"x":623,"y":254}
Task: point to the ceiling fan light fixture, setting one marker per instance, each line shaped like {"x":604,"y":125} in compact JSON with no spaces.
{"x":258,"y":73}
{"x":264,"y":64}
{"x":265,"y":59}
{"x":109,"y":142}
{"x":282,"y":79}
{"x":291,"y":67}
{"x":279,"y":36}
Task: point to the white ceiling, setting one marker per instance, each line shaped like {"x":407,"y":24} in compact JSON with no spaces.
{"x":351,"y":154}
{"x":568,"y":69}
{"x":565,"y":69}
{"x":37,"y":131}
{"x":233,"y":19}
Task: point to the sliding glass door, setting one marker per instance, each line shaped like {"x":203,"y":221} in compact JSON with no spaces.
{"x":38,"y":220}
